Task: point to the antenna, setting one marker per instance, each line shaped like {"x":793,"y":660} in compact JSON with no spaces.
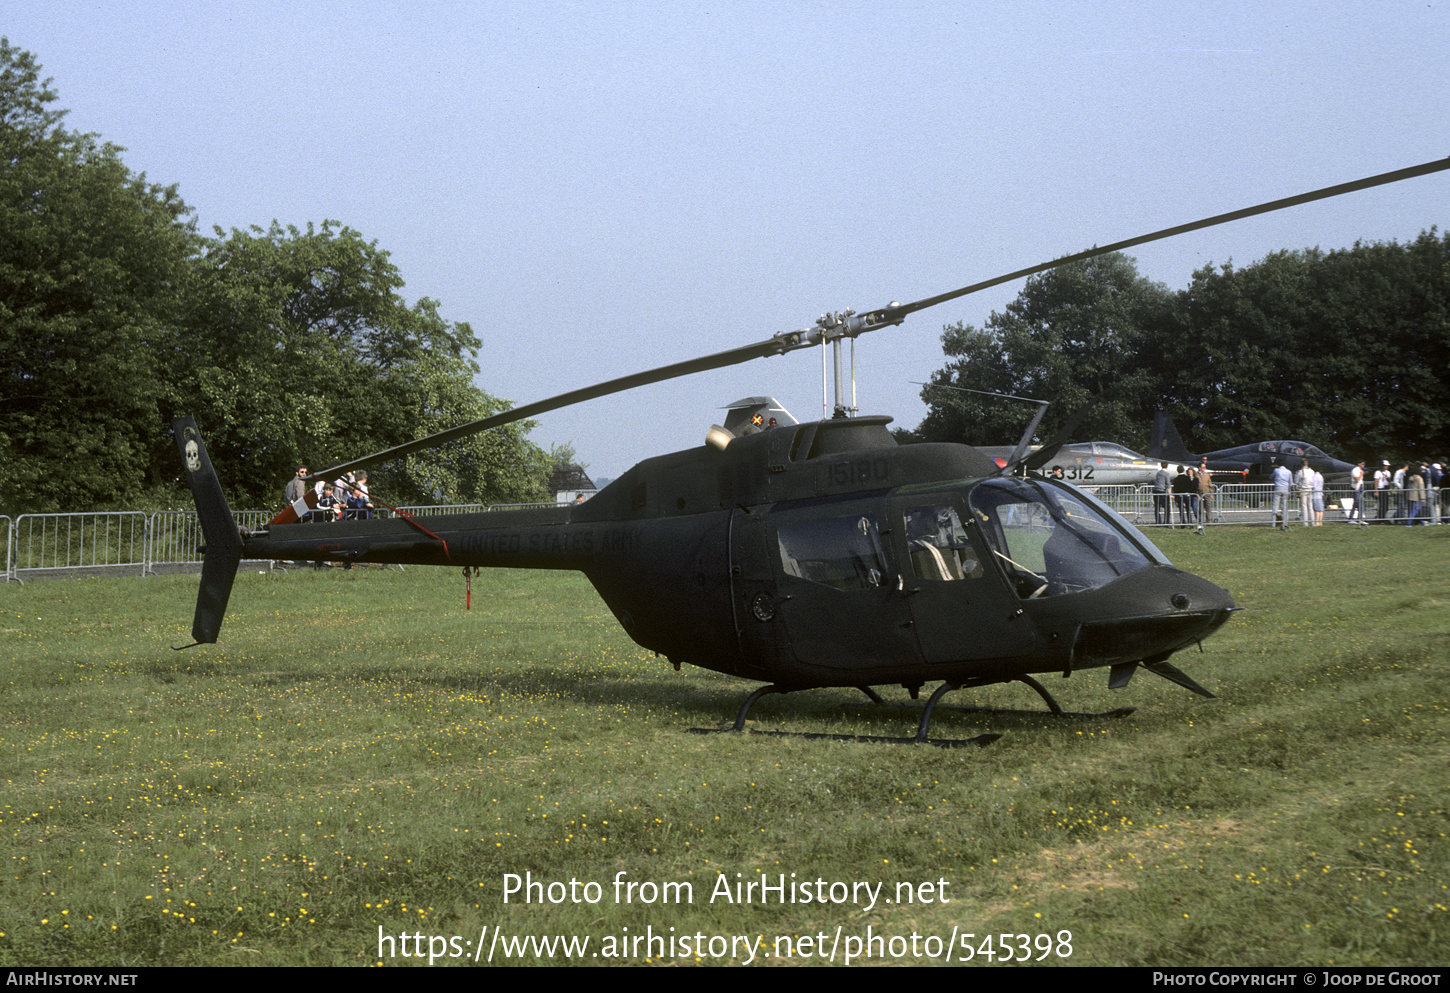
{"x":1022,"y":445}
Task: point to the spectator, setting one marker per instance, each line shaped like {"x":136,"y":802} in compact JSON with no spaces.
{"x":1316,"y":489}
{"x":1304,"y":482}
{"x":1356,"y":481}
{"x":359,"y":507}
{"x":297,"y":485}
{"x":1431,"y":475}
{"x":1182,"y":487}
{"x":1162,"y":512}
{"x":328,"y":506}
{"x":1382,"y":489}
{"x":1282,"y":479}
{"x":1415,"y":498}
{"x":1205,"y":494}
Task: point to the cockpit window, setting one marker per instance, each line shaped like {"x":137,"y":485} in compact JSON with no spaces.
{"x":1292,"y":448}
{"x":840,"y":552}
{"x":1115,"y":450}
{"x":939,"y":545}
{"x":1052,"y":540}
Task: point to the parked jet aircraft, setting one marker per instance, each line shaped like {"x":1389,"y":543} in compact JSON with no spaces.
{"x":1255,"y":461}
{"x":1097,"y":463}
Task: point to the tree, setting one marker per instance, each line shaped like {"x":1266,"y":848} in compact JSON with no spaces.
{"x":299,"y":348}
{"x":92,"y":259}
{"x":1347,"y":350}
{"x":287,"y":345}
{"x":1075,"y":334}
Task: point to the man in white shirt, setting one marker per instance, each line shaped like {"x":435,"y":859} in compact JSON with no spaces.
{"x":1304,"y":480}
{"x":1282,"y":479}
{"x":1356,"y":480}
{"x":1382,"y":488}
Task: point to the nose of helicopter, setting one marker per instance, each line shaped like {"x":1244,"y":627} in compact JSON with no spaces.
{"x":1146,"y":615}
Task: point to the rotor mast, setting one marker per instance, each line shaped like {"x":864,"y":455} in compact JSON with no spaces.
{"x":847,"y":324}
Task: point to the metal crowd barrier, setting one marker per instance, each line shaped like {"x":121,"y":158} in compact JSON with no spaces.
{"x":1244,"y":503}
{"x":173,"y":536}
{"x":474,"y":508}
{"x":35,"y":544}
{"x":447,"y":508}
{"x":94,"y":541}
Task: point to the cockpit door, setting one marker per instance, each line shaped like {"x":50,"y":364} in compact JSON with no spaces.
{"x":840,"y":599}
{"x":961,"y":609}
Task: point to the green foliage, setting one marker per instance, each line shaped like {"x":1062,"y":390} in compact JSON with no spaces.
{"x":299,"y":348}
{"x":92,"y":261}
{"x":285,"y":344}
{"x":1074,"y":334}
{"x":1346,"y":349}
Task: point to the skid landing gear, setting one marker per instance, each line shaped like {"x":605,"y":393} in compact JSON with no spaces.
{"x":924,"y":724}
{"x":1054,"y":709}
{"x":981,"y":740}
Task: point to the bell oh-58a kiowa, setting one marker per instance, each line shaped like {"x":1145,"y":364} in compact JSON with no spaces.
{"x":809,"y":555}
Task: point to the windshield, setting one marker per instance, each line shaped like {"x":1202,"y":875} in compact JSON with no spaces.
{"x":1052,"y":540}
{"x":1113,"y":449}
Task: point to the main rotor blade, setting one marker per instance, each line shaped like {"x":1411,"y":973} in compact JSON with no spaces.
{"x":884,"y":317}
{"x":720,"y":360}
{"x":896,"y":313}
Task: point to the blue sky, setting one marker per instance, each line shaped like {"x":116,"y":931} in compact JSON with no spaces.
{"x":604,"y":187}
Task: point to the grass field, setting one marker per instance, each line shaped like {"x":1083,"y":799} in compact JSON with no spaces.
{"x":359,"y":753}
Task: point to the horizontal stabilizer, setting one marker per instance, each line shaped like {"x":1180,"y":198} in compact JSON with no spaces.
{"x":297,"y":510}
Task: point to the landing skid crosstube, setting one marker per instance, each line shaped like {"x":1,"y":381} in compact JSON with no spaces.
{"x":923,"y":726}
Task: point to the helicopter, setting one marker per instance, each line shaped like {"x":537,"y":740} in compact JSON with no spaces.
{"x":808,"y":555}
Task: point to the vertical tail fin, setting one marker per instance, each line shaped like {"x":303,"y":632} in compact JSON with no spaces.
{"x":1167,"y":446}
{"x":223,"y":552}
